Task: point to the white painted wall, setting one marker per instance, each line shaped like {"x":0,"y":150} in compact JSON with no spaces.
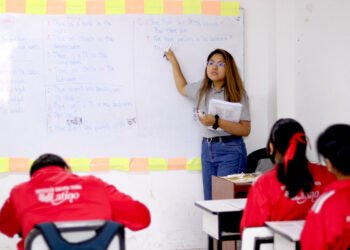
{"x":314,"y":80}
{"x":260,"y":72}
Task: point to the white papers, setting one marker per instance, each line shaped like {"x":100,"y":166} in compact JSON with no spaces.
{"x":230,"y":111}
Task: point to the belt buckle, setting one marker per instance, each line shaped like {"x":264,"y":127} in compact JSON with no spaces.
{"x":209,"y":140}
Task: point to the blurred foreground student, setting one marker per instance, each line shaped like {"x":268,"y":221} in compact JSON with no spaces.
{"x":223,"y":148}
{"x":327,"y":225}
{"x":288,"y":190}
{"x":53,"y":193}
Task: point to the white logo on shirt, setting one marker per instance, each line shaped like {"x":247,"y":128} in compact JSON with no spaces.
{"x":58,"y":195}
{"x":319,"y":203}
{"x":302,"y":198}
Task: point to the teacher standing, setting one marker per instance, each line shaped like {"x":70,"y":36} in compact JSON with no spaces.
{"x":223,"y":150}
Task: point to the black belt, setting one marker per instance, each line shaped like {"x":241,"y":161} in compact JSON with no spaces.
{"x":221,"y":138}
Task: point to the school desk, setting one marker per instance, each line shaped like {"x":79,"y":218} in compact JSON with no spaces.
{"x":223,"y":188}
{"x":221,"y":219}
{"x":286,"y":233}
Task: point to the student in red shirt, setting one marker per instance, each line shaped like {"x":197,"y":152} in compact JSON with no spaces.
{"x":53,"y":193}
{"x":287,"y":191}
{"x":327,"y":225}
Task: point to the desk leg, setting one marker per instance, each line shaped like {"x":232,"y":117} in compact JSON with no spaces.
{"x":210,"y":243}
{"x":219,"y":244}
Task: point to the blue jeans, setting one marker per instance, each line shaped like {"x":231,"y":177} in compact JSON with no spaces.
{"x":221,"y":159}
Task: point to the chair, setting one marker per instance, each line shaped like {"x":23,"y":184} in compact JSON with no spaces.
{"x":255,"y":238}
{"x":258,"y":160}
{"x":76,"y":235}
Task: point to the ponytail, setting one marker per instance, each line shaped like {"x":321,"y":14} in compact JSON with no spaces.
{"x":293,"y":171}
{"x":288,"y":138}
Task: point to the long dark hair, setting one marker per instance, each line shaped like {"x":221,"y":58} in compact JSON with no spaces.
{"x":334,"y":144}
{"x":234,"y":88}
{"x":288,"y":138}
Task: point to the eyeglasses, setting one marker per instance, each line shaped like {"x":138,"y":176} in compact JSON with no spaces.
{"x":218,"y":64}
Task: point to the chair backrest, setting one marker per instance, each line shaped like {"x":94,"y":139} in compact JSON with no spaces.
{"x":255,"y":238}
{"x":258,"y":160}
{"x":77,"y":235}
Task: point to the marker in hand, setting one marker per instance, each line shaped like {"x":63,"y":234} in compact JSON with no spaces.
{"x":201,"y":114}
{"x":167,"y":50}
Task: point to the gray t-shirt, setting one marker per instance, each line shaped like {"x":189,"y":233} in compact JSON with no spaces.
{"x":192,"y":92}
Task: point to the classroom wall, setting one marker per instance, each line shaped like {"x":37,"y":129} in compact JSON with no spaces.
{"x":260,"y":75}
{"x":312,"y":68}
{"x":170,"y":195}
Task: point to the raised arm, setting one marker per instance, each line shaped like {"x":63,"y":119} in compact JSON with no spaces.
{"x":179,"y":78}
{"x":127,"y":211}
{"x":9,"y":222}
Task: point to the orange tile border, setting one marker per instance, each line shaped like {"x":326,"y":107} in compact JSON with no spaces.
{"x":134,"y":7}
{"x":177,"y":163}
{"x":15,"y":6}
{"x":18,"y":165}
{"x":211,"y":8}
{"x":138,"y":165}
{"x":95,"y":7}
{"x":173,"y":7}
{"x":56,"y":7}
{"x":99,"y":164}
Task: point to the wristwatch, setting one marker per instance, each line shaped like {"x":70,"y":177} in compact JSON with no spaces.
{"x":216,"y":123}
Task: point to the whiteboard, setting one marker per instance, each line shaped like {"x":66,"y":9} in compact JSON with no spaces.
{"x":98,"y":86}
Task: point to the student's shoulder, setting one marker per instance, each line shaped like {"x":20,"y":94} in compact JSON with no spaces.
{"x":325,"y":203}
{"x":21,"y":187}
{"x":92,"y":179}
{"x":321,"y":171}
{"x":269,"y":177}
{"x":335,"y":196}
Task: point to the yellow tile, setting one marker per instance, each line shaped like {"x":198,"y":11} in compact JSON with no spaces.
{"x":36,"y":7}
{"x":194,"y":164}
{"x":79,"y":164}
{"x":2,"y":6}
{"x":119,"y":164}
{"x":157,"y":164}
{"x":192,"y":7}
{"x":115,"y":6}
{"x":4,"y":165}
{"x":230,"y":8}
{"x":154,"y":7}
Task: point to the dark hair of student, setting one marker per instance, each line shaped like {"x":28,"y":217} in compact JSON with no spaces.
{"x":46,"y":160}
{"x":234,"y":88}
{"x":288,"y":138}
{"x":334,"y":144}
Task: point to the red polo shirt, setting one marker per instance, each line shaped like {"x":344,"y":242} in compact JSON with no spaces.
{"x":327,"y":225}
{"x":268,"y":201}
{"x":53,"y":194}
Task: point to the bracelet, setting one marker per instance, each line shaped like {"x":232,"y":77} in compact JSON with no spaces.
{"x":216,"y":123}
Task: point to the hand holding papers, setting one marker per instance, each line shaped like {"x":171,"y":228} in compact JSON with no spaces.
{"x":230,"y":111}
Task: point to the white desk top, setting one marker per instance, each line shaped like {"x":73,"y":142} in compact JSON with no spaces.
{"x":289,"y":229}
{"x":221,"y":206}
